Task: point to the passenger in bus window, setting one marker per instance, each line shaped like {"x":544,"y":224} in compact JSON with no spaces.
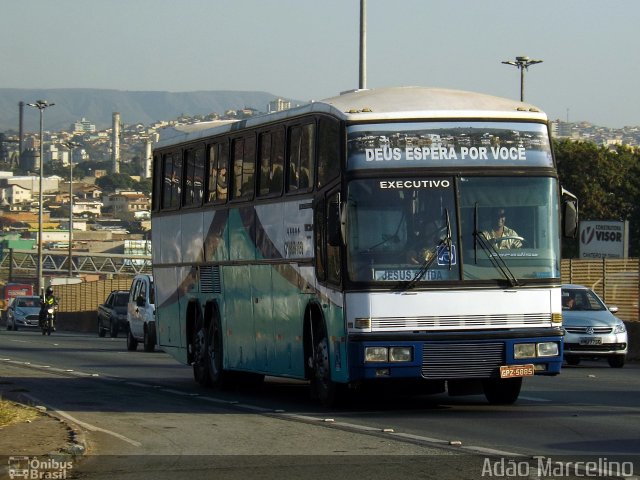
{"x":500,"y":235}
{"x":221,"y":189}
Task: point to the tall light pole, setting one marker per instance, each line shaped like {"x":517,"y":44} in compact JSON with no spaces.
{"x":522,"y":63}
{"x":71,"y":146}
{"x":40,"y":105}
{"x":362,"y":83}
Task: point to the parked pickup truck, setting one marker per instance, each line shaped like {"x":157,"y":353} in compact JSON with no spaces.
{"x":112,"y":314}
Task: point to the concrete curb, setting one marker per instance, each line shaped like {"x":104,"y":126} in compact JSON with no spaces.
{"x":77,"y":445}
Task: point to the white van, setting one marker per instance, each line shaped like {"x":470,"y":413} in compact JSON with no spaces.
{"x":141,"y":314}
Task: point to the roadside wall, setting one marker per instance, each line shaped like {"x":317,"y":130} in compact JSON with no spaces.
{"x":78,"y":304}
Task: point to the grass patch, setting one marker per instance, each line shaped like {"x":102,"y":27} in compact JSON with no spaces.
{"x":11,"y":413}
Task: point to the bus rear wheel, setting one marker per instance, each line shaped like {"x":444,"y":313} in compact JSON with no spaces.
{"x":214,"y":354}
{"x":323,"y":388}
{"x":200,"y":373}
{"x":502,"y":391}
{"x":207,"y":367}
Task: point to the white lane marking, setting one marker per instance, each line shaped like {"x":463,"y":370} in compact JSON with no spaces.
{"x":85,"y":425}
{"x":534,"y":399}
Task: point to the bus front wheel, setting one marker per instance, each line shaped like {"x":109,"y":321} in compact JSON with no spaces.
{"x":323,"y":388}
{"x":502,"y":391}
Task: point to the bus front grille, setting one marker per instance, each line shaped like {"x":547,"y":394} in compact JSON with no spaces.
{"x":456,"y":322}
{"x":461,"y":360}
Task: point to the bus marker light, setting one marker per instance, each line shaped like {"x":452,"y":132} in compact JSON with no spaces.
{"x":363,"y":323}
{"x":382,"y":372}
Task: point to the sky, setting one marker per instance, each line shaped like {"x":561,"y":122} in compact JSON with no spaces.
{"x":309,"y":49}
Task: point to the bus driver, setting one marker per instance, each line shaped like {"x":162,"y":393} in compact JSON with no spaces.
{"x":502,"y":236}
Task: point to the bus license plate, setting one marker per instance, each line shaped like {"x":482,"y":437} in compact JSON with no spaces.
{"x":590,"y":340}
{"x":512,"y":371}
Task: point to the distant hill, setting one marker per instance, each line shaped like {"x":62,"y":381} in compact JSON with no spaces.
{"x":97,"y":106}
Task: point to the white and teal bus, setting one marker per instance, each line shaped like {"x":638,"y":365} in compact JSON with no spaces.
{"x":354,"y":240}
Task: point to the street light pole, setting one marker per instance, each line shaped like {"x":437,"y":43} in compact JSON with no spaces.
{"x":522,"y":63}
{"x":362,"y":83}
{"x":71,"y":146}
{"x":40,"y":105}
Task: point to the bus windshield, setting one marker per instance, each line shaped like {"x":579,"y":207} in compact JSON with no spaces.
{"x":412,"y":229}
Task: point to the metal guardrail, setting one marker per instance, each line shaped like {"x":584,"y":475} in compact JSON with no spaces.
{"x":25,"y":263}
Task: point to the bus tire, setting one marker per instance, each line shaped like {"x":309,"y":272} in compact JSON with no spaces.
{"x":214,"y":354}
{"x":502,"y":391}
{"x":199,"y":348}
{"x":323,"y":388}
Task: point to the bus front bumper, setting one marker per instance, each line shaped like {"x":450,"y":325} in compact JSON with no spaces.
{"x":448,"y":356}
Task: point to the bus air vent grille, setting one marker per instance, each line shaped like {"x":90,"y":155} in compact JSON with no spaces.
{"x":461,"y":360}
{"x":210,"y":279}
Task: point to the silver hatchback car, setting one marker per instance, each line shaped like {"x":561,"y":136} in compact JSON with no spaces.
{"x":23,"y":312}
{"x":591,"y":329}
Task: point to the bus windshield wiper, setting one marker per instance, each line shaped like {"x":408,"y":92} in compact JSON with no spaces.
{"x":492,"y":253}
{"x":444,"y":242}
{"x":386,"y":238}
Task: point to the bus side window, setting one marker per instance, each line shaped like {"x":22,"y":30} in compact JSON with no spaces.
{"x":244,"y":153}
{"x":217,"y":175}
{"x":301,"y":157}
{"x":157,"y":183}
{"x":176,"y":180}
{"x":194,"y":160}
{"x":328,"y":150}
{"x":271,"y":159}
{"x":172,"y":177}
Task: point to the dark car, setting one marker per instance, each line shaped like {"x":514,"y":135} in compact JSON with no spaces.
{"x":591,"y":328}
{"x":112,"y":314}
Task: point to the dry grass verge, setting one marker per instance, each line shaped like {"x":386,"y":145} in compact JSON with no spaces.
{"x":11,"y":413}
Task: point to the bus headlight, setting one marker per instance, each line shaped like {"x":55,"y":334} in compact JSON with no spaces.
{"x":533,"y":350}
{"x":524,"y":350}
{"x":400,"y":354}
{"x":376,"y":354}
{"x":547,"y":349}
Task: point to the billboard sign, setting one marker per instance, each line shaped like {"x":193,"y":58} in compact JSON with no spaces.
{"x":604,"y":239}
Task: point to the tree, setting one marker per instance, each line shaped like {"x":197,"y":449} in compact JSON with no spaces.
{"x":110,"y":183}
{"x":606,"y":182}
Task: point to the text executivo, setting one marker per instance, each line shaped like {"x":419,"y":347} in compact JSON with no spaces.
{"x":385,"y":184}
{"x":445,"y":153}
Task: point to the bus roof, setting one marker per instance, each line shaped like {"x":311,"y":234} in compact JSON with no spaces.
{"x":394,"y":103}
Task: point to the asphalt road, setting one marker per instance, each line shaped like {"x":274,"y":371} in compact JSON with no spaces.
{"x":142,"y":412}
